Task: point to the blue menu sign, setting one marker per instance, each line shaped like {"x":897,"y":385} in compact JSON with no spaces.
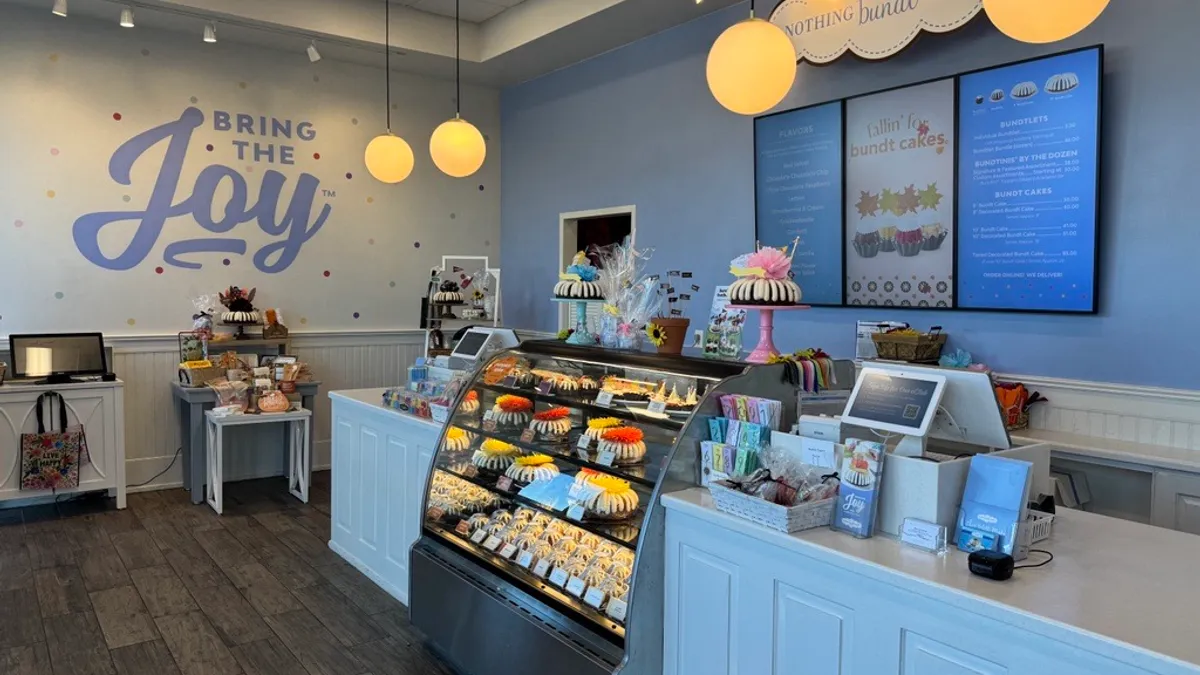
{"x":798,"y":193}
{"x":1027,"y":182}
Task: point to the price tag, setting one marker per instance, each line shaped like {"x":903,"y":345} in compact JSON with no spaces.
{"x":525,"y":559}
{"x":606,"y":458}
{"x":479,"y":535}
{"x":470,"y":471}
{"x":594,"y":597}
{"x":616,"y":609}
{"x":539,"y":570}
{"x":583,"y":454}
{"x":508,"y":551}
{"x":505,"y":483}
{"x":463,"y":528}
{"x":435,"y":513}
{"x":492,"y":543}
{"x":576,"y":586}
{"x":510,"y":381}
{"x":604,"y":398}
{"x":575,"y":512}
{"x":584,"y":442}
{"x":489,"y":414}
{"x":558,"y":577}
{"x":658,"y":407}
{"x":527,"y":435}
{"x":544,"y":387}
{"x":489,"y":425}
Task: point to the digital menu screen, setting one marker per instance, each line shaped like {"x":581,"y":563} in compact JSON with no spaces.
{"x":798,"y":194}
{"x":1027,"y":184}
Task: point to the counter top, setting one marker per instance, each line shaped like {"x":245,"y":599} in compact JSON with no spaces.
{"x":1110,"y":578}
{"x":373,"y":398}
{"x":1116,"y":450}
{"x":20,"y":386}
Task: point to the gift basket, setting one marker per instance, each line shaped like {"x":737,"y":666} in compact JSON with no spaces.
{"x":630,"y":297}
{"x":909,"y":344}
{"x":784,"y":494}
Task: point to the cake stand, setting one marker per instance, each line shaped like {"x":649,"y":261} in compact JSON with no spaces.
{"x":581,"y":336}
{"x":766,"y":328}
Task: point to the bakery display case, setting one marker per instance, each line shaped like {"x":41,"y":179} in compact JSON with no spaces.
{"x":542,"y":537}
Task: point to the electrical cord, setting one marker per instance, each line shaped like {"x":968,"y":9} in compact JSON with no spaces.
{"x":1044,"y":562}
{"x":160,"y":473}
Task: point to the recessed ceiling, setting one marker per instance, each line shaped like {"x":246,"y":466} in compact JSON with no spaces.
{"x":475,"y":11}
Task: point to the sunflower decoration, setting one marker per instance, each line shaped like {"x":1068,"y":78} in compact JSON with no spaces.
{"x":477,"y":295}
{"x":565,"y":333}
{"x":656,"y":333}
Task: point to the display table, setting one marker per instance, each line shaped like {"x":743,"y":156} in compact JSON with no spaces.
{"x":98,"y":406}
{"x":192,"y":402}
{"x":297,"y":423}
{"x":744,"y":599}
{"x":381,"y":459}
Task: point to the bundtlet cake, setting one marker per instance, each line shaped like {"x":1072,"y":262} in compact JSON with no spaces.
{"x":457,"y":440}
{"x":470,"y":402}
{"x":614,"y":499}
{"x":532,"y":467}
{"x":512,"y":410}
{"x":448,"y":293}
{"x":625,"y":443}
{"x":579,"y":281}
{"x":494,"y":455}
{"x":764,"y":278}
{"x":553,"y":422}
{"x":598,"y":425}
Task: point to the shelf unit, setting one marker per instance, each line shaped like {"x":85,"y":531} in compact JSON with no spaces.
{"x":439,"y":315}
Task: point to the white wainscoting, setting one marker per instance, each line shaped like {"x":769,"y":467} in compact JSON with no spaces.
{"x":346,"y":360}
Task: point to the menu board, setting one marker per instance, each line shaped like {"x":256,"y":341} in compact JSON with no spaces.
{"x":1027,"y":185}
{"x":798,"y":194}
{"x":900,"y":197}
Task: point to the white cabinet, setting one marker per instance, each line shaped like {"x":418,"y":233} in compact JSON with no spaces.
{"x":381,"y":461}
{"x":1176,"y":501}
{"x":98,"y":406}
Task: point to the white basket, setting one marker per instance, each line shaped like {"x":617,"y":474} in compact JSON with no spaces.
{"x":775,"y":516}
{"x":1040,"y":525}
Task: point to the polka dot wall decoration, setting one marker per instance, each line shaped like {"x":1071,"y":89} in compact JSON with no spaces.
{"x":117,"y":116}
{"x":19,"y":223}
{"x":54,"y":57}
{"x":125,"y":198}
{"x":58,"y":295}
{"x":225,"y":262}
{"x":304,"y":319}
{"x":131,"y":321}
{"x":54,"y":152}
{"x":354,"y":121}
{"x":370,"y":200}
{"x":145,"y":52}
{"x":325,"y":274}
{"x":356,"y":315}
{"x":391,"y":284}
{"x":453,"y":216}
{"x":316,"y":78}
{"x":209,"y":147}
{"x":194,"y":100}
{"x":50,"y":194}
{"x":416,"y":244}
{"x":481,"y":188}
{"x":249,"y":169}
{"x":487,"y":242}
{"x":316,"y":155}
{"x":158,"y":270}
{"x":349,"y":175}
{"x":241,"y":85}
{"x":371,"y":242}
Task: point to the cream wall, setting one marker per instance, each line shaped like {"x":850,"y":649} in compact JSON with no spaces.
{"x":75,"y":90}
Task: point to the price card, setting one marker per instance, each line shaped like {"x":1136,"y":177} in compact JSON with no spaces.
{"x":575,"y":512}
{"x":604,"y":398}
{"x":558,"y":577}
{"x":527,"y":435}
{"x":594,"y":597}
{"x":510,"y":381}
{"x":508,"y":551}
{"x":606,"y":458}
{"x":584,"y":442}
{"x":544,"y":387}
{"x":463,"y":528}
{"x":525,"y":559}
{"x":479,"y":535}
{"x":504,"y":483}
{"x":576,"y":587}
{"x":616,"y":609}
{"x":489,"y":425}
{"x":539,"y":570}
{"x":658,"y":407}
{"x":470,"y":471}
{"x":492,"y":543}
{"x":435,"y":513}
{"x":489,"y":414}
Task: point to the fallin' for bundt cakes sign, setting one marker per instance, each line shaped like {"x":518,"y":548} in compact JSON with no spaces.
{"x":259,"y":139}
{"x":823,"y":30}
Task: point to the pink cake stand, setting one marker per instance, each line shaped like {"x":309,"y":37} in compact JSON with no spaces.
{"x":766,"y":329}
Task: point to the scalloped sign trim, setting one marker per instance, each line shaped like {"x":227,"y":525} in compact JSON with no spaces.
{"x":823,"y":30}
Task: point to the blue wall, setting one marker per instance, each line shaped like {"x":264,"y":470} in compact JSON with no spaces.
{"x":638,"y":126}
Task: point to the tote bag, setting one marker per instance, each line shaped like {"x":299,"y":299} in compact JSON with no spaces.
{"x":50,"y":460}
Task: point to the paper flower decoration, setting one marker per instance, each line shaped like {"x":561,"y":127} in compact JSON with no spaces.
{"x":492,"y":446}
{"x":557,"y":413}
{"x":656,"y":333}
{"x":582,"y":269}
{"x":610,"y":483}
{"x":534,"y":460}
{"x":472,"y":396}
{"x":624,"y":435}
{"x":510,"y":403}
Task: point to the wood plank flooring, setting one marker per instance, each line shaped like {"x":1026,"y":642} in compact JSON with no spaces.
{"x":168,"y":588}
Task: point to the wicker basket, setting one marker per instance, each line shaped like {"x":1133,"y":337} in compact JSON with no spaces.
{"x":911,"y":347}
{"x":774,"y":516}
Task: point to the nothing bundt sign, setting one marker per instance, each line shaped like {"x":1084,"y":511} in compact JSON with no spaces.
{"x":823,"y":30}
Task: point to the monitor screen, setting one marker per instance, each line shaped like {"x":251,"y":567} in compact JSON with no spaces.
{"x":903,"y":402}
{"x":68,"y":353}
{"x":471,"y":343}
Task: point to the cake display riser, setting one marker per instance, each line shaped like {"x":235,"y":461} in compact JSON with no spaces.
{"x":765,"y":349}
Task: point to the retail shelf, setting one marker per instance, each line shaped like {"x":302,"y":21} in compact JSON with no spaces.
{"x":590,"y":407}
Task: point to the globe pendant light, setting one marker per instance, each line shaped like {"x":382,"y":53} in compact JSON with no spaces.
{"x":1042,"y":21}
{"x":457,"y":147}
{"x":388,"y":157}
{"x":751,"y":66}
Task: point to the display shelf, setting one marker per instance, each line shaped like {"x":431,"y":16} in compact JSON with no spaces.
{"x":530,"y":580}
{"x":649,"y":473}
{"x":589,"y":407}
{"x":624,"y":533}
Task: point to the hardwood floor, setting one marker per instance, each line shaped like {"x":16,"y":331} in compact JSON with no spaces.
{"x":169,"y":588}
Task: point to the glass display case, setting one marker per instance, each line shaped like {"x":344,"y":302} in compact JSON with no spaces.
{"x":542,"y":532}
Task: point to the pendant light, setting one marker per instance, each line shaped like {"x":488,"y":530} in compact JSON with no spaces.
{"x":751,"y":66}
{"x":127,"y":17}
{"x":457,"y":147}
{"x":389,"y":158}
{"x":60,"y":8}
{"x":1039,"y":21}
{"x":210,"y":32}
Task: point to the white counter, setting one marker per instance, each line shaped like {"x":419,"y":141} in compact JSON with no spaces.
{"x":1119,"y":597}
{"x":381,"y":459}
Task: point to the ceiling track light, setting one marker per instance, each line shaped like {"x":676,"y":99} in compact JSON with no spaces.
{"x":126,"y":17}
{"x":313,"y":54}
{"x":210,"y":32}
{"x":60,"y":8}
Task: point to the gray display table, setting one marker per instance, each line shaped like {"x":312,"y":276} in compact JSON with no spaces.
{"x":191,"y":403}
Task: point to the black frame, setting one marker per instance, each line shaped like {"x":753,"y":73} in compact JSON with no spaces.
{"x":19,"y":367}
{"x":957,"y":78}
